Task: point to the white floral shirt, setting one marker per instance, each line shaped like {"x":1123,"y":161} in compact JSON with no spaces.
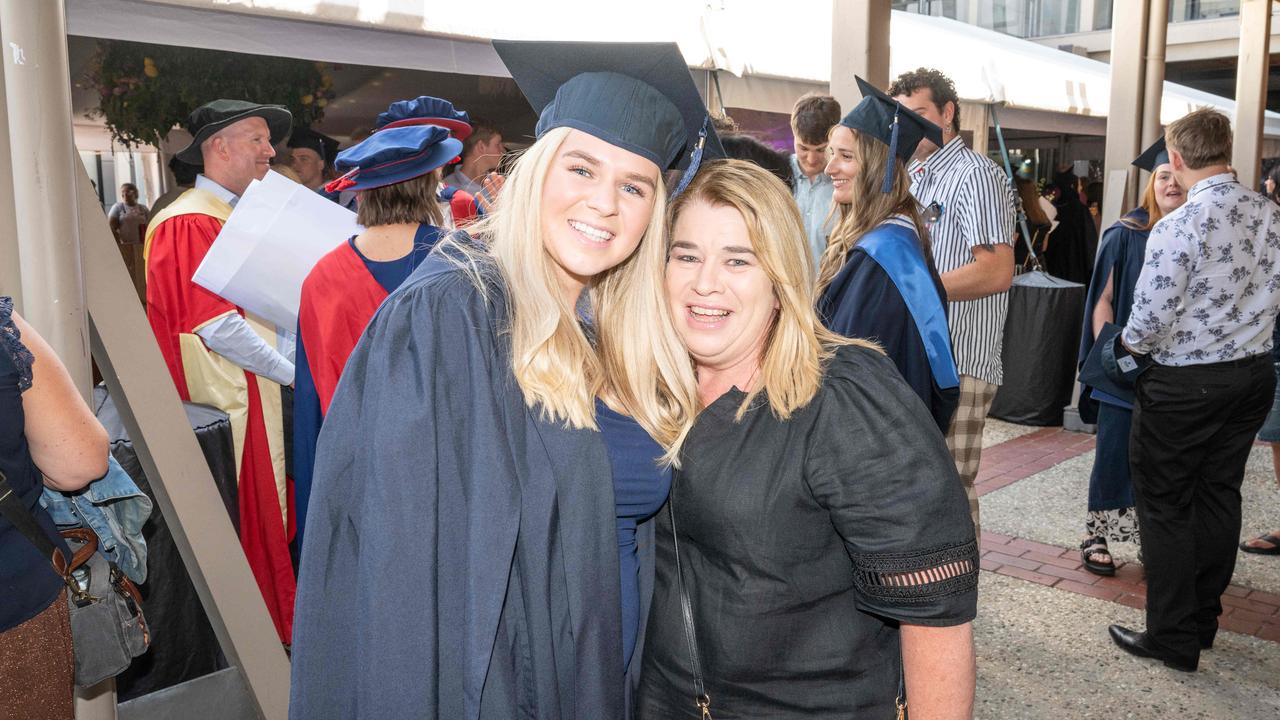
{"x":1210,"y":287}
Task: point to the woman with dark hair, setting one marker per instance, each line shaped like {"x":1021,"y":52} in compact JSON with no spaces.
{"x":1072,"y":245}
{"x":876,"y":280}
{"x":745,"y":147}
{"x":48,"y":437}
{"x":1272,"y":184}
{"x":1111,"y":513}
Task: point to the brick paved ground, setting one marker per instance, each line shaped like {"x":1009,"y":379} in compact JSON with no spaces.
{"x":1247,"y":611}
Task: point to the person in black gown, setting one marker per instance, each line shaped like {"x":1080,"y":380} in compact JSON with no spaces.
{"x":876,"y":279}
{"x":487,"y":465}
{"x":1111,"y":514}
{"x":824,"y":536}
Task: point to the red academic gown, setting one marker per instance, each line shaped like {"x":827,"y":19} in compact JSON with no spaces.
{"x":177,"y":241}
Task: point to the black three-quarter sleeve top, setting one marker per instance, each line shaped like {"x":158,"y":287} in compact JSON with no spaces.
{"x":805,"y":544}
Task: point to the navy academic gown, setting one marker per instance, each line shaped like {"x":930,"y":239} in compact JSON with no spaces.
{"x":866,"y":300}
{"x":461,"y":556}
{"x":1120,"y":256}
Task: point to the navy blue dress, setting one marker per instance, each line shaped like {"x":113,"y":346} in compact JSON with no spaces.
{"x":28,"y":583}
{"x":640,"y":488}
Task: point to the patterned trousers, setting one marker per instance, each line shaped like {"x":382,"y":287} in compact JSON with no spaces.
{"x":964,"y":438}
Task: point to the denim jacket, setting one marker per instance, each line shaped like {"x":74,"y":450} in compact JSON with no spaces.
{"x":115,"y":509}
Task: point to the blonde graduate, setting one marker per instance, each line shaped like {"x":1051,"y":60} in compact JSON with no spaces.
{"x":637,"y":364}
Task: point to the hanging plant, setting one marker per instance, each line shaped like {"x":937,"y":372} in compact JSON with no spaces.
{"x":144,"y":91}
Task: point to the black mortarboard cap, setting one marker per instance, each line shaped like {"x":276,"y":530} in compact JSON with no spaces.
{"x":1154,"y":156}
{"x":637,"y":96}
{"x":886,"y":120}
{"x":323,"y":145}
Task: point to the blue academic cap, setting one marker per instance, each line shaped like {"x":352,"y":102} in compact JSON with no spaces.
{"x":637,"y":96}
{"x":393,"y":156}
{"x":1154,"y":156}
{"x":426,"y":110}
{"x":886,"y":120}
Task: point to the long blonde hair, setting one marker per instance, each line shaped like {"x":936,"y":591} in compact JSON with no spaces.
{"x":869,"y":206}
{"x":638,"y":362}
{"x":797,"y":346}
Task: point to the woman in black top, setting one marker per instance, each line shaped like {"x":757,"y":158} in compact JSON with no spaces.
{"x":825,"y":538}
{"x":45,"y":429}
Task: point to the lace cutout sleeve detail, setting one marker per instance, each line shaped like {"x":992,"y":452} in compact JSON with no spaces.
{"x":11,"y":343}
{"x":918,"y":577}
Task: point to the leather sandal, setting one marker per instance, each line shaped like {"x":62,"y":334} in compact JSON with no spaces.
{"x":1097,"y":546}
{"x":1273,"y":540}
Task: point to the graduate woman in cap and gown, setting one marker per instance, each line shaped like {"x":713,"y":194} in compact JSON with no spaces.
{"x":460,"y":206}
{"x":876,"y":279}
{"x":395,"y":175}
{"x":477,"y":543}
{"x":1111,"y":515}
{"x":818,"y":552}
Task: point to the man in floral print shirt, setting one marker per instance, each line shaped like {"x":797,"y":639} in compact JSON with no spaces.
{"x":1204,"y":310}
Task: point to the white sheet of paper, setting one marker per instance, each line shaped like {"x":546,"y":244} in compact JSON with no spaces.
{"x":277,"y":232}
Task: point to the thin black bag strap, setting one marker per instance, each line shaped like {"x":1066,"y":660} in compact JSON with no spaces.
{"x":17,"y":513}
{"x":700,"y":697}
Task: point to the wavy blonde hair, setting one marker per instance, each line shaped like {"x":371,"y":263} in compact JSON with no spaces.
{"x":638,"y":363}
{"x":797,"y":346}
{"x":869,"y":206}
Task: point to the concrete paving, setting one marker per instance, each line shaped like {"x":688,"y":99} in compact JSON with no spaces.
{"x":1049,"y":507}
{"x":1044,"y":654}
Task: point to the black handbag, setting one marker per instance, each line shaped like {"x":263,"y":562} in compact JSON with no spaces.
{"x":108,"y":628}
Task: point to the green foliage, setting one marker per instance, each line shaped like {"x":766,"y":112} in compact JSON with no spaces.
{"x":146,"y":90}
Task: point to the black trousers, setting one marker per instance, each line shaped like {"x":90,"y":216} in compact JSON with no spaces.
{"x":1193,"y":427}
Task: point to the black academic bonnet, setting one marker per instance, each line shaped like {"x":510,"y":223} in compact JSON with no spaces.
{"x":323,"y":145}
{"x":211,"y":117}
{"x":886,"y":120}
{"x":636,"y":96}
{"x":1154,"y":156}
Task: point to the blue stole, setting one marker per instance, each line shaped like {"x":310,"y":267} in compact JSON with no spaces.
{"x":896,"y":250}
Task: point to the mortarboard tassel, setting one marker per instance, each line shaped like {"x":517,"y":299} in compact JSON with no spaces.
{"x":342,"y":183}
{"x":887,"y":187}
{"x":694,"y":162}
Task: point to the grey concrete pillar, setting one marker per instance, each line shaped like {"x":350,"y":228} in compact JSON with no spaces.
{"x":1124,"y":119}
{"x":859,"y":47}
{"x":1251,"y":89}
{"x":37,"y":94}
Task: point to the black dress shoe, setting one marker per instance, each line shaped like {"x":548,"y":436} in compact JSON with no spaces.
{"x":1137,"y":643}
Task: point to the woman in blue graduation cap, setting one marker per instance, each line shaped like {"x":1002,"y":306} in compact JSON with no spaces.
{"x":477,"y":544}
{"x":1111,"y":515}
{"x":876,"y":279}
{"x":395,"y":175}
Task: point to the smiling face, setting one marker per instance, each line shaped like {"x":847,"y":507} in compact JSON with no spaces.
{"x":596,"y":203}
{"x":720,"y":296}
{"x":1169,"y":194}
{"x":843,"y":165}
{"x":239,"y":154}
{"x":309,"y":166}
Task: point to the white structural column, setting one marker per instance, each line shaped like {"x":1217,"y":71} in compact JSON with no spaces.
{"x":1124,"y":119}
{"x":10,"y":270}
{"x":859,"y":47}
{"x":1153,"y":83}
{"x":42,"y":159}
{"x":1251,"y":88}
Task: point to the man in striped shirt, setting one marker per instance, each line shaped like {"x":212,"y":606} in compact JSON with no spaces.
{"x":969,"y":208}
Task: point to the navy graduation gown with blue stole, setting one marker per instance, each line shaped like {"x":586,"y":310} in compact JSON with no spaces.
{"x":461,"y":554}
{"x":1120,"y":257}
{"x":888,"y":293}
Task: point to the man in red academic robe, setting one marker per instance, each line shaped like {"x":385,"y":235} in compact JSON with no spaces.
{"x":216,"y":353}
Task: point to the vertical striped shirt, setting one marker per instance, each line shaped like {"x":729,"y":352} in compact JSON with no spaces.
{"x":973,"y":205}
